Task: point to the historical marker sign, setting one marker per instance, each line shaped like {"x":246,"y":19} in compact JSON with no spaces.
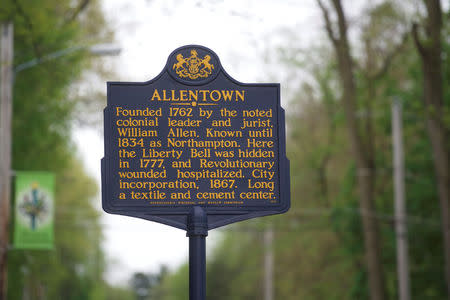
{"x":194,"y":136}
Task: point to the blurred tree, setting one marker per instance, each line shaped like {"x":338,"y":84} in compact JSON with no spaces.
{"x":141,"y":284}
{"x":74,"y":269}
{"x":44,"y":110}
{"x":175,"y":286}
{"x":429,"y":45}
{"x":118,"y":293}
{"x":319,"y":252}
{"x":362,"y":149}
{"x":319,"y":248}
{"x":148,"y":285}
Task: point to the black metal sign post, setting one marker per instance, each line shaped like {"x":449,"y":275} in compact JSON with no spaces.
{"x":197,"y":232}
{"x":194,"y":149}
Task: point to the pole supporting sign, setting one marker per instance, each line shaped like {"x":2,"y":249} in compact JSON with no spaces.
{"x":194,"y":136}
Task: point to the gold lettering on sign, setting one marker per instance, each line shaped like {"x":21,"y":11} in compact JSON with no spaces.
{"x":197,"y":147}
{"x":198,"y":95}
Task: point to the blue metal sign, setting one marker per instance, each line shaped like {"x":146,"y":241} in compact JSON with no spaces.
{"x":194,"y":137}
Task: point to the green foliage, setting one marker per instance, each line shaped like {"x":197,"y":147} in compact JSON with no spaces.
{"x":75,"y":267}
{"x":43,"y":114}
{"x":176,"y":285}
{"x":240,"y":271}
{"x":319,"y":247}
{"x":117,"y":293}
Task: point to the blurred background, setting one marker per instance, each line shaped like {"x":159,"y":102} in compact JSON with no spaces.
{"x":365,"y":86}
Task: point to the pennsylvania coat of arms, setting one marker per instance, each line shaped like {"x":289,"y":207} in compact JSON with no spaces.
{"x":193,"y":67}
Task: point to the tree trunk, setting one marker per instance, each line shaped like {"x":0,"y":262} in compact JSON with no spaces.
{"x":365,"y":180}
{"x":437,"y":135}
{"x":430,"y":53}
{"x":364,"y":163}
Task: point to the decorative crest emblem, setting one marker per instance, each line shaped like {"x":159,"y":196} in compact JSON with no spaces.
{"x":193,"y":66}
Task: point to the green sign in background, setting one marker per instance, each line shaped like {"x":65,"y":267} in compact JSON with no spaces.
{"x":33,"y":210}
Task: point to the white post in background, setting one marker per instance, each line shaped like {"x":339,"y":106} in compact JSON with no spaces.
{"x":401,"y":229}
{"x":268,"y":263}
{"x":6,"y":81}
